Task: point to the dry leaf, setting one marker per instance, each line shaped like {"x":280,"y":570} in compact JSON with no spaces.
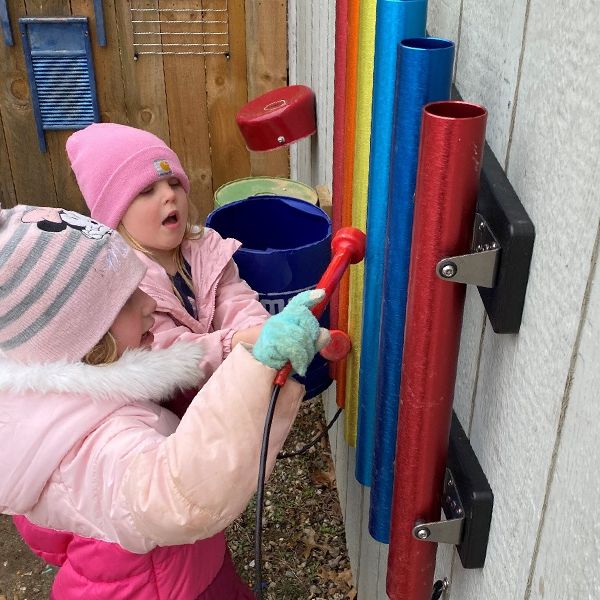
{"x":324,"y":478}
{"x":309,"y":542}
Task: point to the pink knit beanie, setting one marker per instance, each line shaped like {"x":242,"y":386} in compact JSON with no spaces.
{"x":63,"y":280}
{"x":114,"y":163}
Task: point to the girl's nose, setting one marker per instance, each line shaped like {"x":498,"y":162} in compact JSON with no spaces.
{"x":167,"y":193}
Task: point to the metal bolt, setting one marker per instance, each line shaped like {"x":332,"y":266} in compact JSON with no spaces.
{"x":481,"y":226}
{"x":450,"y":482}
{"x":423,"y":533}
{"x":459,"y":511}
{"x":448,"y":270}
{"x":281,"y":139}
{"x":479,"y":248}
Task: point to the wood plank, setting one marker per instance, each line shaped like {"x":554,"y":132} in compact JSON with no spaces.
{"x":487,"y":71}
{"x":266,"y":45}
{"x":185,"y":86}
{"x":109,"y":83}
{"x":226,"y":86}
{"x":523,"y":378}
{"x":354,"y":517}
{"x":329,"y":410}
{"x":330,"y":78}
{"x":31,"y":169}
{"x":368,"y":555}
{"x":381,"y":584}
{"x":302,"y":148}
{"x":143,"y":80}
{"x":293,"y":67}
{"x":8,"y":197}
{"x":107,"y":61}
{"x":443,"y":18}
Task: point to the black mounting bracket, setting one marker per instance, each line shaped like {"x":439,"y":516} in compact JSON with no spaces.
{"x":467,"y":502}
{"x":503,"y":237}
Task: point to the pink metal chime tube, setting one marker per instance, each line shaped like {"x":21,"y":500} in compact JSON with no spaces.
{"x":450,"y":155}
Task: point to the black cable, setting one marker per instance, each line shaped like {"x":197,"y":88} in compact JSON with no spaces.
{"x":260,"y":491}
{"x":313,"y":442}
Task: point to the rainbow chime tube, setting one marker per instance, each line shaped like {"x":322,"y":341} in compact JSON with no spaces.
{"x":395,"y":22}
{"x":450,"y":155}
{"x":339,"y":109}
{"x":424,"y":75}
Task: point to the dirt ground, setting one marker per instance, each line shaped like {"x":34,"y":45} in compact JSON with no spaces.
{"x":304,"y":551}
{"x":23,"y":576}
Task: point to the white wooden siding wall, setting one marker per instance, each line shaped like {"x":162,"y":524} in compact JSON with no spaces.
{"x":528,"y":401}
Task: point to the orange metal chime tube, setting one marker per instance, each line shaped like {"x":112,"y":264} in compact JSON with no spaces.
{"x":450,"y":155}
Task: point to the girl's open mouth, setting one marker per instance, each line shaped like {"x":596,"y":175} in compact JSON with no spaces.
{"x":172,"y":219}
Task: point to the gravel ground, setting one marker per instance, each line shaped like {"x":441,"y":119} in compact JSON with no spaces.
{"x":304,"y":551}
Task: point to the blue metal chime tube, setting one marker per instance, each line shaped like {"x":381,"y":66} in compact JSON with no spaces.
{"x":424,"y":75}
{"x":396,"y":20}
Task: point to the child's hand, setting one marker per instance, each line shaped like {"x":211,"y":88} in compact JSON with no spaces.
{"x":293,"y":335}
{"x":248,"y":336}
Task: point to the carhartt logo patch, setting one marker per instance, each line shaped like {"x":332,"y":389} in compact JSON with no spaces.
{"x":163,"y":167}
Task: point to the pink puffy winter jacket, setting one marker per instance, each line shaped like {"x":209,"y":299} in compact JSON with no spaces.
{"x":87,"y":450}
{"x":224,"y":302}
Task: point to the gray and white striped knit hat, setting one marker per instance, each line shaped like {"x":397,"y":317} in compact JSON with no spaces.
{"x":63,"y":280}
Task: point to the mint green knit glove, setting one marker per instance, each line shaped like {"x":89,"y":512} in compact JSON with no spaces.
{"x":293,"y":335}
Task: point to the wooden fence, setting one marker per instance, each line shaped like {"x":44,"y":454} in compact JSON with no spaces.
{"x":188,"y":100}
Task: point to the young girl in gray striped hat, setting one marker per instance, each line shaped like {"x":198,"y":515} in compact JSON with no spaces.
{"x":103,"y":481}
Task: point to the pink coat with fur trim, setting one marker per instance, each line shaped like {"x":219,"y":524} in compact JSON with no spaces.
{"x":224,"y":302}
{"x":86,"y":450}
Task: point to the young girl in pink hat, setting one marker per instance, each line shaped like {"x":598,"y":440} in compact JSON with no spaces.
{"x":102,"y":480}
{"x":132,"y":181}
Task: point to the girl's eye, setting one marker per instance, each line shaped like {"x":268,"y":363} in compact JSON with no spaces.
{"x":174,"y":182}
{"x":147,"y":190}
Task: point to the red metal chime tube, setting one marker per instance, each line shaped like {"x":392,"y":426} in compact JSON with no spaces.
{"x":450,"y":155}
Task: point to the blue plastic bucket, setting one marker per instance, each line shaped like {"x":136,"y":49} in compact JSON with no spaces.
{"x":286,"y":247}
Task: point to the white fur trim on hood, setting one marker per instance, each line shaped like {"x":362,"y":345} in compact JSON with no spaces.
{"x":138,"y":375}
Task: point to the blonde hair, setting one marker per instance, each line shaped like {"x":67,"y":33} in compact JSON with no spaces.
{"x":104,"y":352}
{"x":192,"y":232}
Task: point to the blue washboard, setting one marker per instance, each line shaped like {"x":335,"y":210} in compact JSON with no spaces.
{"x":61,"y":73}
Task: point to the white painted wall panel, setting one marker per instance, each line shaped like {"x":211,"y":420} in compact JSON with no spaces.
{"x":528,"y":401}
{"x":443,"y":18}
{"x":487,"y":66}
{"x":568,"y":557}
{"x":522,"y":378}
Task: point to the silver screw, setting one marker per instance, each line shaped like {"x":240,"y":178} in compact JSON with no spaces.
{"x":281,"y":139}
{"x":481,"y":226}
{"x":479,"y":248}
{"x":448,"y":270}
{"x":423,"y":533}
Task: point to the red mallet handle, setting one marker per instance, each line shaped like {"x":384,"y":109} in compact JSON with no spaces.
{"x":348,"y":245}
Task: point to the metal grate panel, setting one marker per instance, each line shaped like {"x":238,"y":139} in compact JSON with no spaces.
{"x":181,"y":31}
{"x":61,"y":75}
